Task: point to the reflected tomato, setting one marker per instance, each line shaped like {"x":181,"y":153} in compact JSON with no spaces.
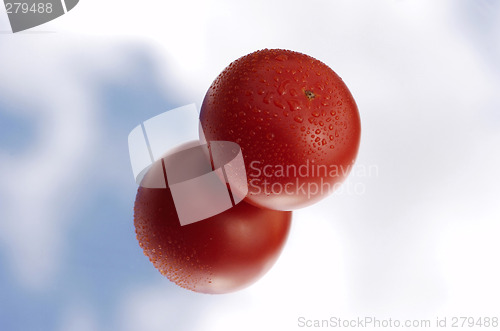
{"x":221,"y":254}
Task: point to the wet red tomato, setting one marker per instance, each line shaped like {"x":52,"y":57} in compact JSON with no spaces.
{"x":296,"y":122}
{"x":221,"y":254}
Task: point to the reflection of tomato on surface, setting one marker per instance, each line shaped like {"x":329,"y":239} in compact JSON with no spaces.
{"x":220,"y":254}
{"x":295,"y":120}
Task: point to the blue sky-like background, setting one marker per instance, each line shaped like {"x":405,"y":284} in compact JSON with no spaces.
{"x":420,"y":240}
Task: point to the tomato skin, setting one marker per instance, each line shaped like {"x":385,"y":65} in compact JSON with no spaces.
{"x":221,"y":254}
{"x":285,"y":110}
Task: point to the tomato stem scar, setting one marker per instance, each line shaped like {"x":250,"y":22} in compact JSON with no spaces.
{"x":309,"y":94}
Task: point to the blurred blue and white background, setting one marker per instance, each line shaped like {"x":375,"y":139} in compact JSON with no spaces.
{"x":419,"y":240}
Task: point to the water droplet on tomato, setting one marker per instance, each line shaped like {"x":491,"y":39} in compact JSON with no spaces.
{"x":283,"y":87}
{"x":267,"y":98}
{"x":299,"y":119}
{"x":294,"y":105}
{"x":279,"y":104}
{"x":282,"y":57}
